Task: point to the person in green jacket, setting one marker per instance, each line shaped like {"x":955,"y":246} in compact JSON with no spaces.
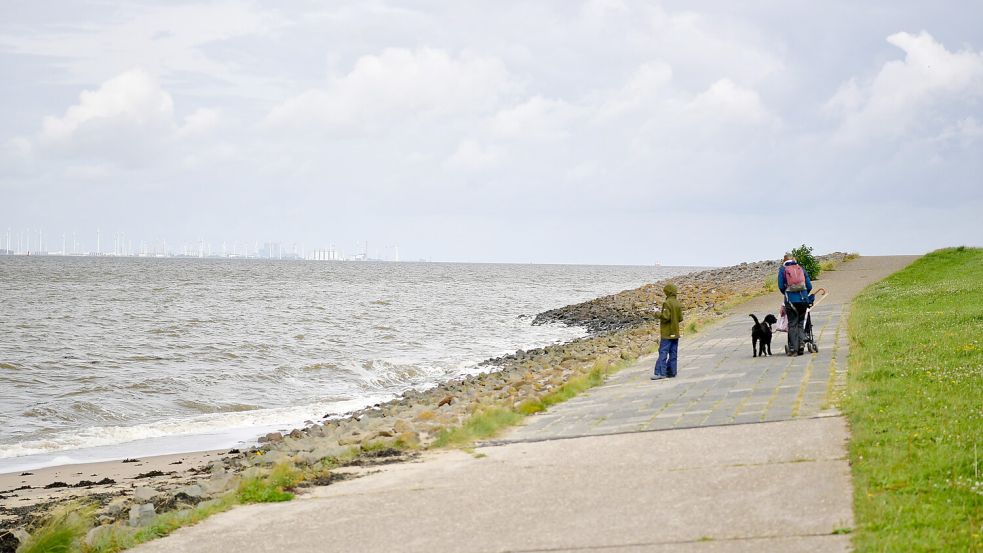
{"x":669,"y":319}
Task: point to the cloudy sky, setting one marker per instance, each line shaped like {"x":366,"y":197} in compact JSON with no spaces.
{"x":601,"y":131}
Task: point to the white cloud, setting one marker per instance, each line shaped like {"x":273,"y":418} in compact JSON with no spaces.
{"x":201,"y":121}
{"x":129,"y":120}
{"x":132,"y":100}
{"x":646,"y":86}
{"x":472,"y":156}
{"x":164,"y":39}
{"x":726,"y":102}
{"x":536,"y":118}
{"x":398,"y":85}
{"x":904,"y":93}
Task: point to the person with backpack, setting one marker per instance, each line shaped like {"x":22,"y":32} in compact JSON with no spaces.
{"x":669,"y":318}
{"x":794,"y":284}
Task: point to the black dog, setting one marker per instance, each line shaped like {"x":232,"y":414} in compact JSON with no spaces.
{"x":761,"y":333}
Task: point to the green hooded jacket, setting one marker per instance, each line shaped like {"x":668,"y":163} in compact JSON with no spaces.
{"x":671,"y":315}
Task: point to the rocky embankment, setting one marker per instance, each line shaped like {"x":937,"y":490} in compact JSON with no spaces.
{"x":622,"y":327}
{"x":699,"y":292}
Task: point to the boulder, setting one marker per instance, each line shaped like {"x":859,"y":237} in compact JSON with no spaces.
{"x":117,"y":506}
{"x":142,"y":515}
{"x":95,"y":534}
{"x":271,"y":458}
{"x":220,"y":483}
{"x":144,"y":494}
{"x":193,"y":492}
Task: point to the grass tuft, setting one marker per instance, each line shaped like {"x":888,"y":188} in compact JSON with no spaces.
{"x":63,"y":532}
{"x":771,"y":284}
{"x":483,"y":424}
{"x":120,"y":537}
{"x":272,"y":487}
{"x":915,"y":405}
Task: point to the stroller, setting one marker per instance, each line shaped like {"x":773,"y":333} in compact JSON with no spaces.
{"x":808,"y":339}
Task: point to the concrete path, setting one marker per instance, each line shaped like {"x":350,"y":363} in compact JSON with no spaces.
{"x":736,"y":454}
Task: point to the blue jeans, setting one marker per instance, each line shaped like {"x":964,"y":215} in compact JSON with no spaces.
{"x":666,"y":365}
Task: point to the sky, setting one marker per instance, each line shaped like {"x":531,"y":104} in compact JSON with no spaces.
{"x":557,"y":131}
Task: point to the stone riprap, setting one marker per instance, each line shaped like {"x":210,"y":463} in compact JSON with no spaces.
{"x":702,"y":291}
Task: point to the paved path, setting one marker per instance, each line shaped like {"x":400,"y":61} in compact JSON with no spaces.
{"x":719,"y":381}
{"x":736,"y":454}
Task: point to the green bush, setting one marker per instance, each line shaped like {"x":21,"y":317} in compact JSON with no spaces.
{"x":803,"y":255}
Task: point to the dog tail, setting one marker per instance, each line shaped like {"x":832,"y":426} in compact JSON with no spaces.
{"x":755,"y":318}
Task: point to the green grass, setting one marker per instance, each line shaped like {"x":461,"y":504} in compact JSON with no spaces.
{"x":123,"y":537}
{"x":489,"y":422}
{"x":826,"y":266}
{"x":272,"y":487}
{"x":771,"y":284}
{"x":915,"y":405}
{"x":483,"y":424}
{"x":63,"y":532}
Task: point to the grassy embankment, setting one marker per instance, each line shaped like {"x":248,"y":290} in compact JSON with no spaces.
{"x":915,"y":405}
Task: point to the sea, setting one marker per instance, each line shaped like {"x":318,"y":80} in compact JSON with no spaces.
{"x":108,"y":357}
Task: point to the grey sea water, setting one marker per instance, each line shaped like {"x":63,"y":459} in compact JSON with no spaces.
{"x":132,"y":356}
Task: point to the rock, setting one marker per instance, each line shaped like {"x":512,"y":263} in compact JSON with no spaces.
{"x":271,"y":458}
{"x":193,"y":492}
{"x":142,"y":515}
{"x":296,"y":434}
{"x":272,"y":437}
{"x":446,"y":401}
{"x":117,"y":506}
{"x":220,"y":483}
{"x":402,"y":426}
{"x":351,"y":439}
{"x":144,"y":494}
{"x":95,"y":534}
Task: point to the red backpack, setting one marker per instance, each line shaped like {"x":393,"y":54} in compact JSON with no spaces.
{"x":795,"y":278}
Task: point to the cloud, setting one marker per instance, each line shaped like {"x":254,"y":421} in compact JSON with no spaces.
{"x":176,"y":36}
{"x":535,"y":118}
{"x":132,"y":101}
{"x":395,"y":86}
{"x":649,"y":83}
{"x":727,"y":102}
{"x":472,"y":156}
{"x":129,"y":120}
{"x":931,"y":84}
{"x":201,"y":121}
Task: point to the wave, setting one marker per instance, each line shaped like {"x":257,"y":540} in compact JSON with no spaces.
{"x":215,"y":424}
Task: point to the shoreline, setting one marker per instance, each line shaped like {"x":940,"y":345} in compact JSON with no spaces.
{"x":619,"y":326}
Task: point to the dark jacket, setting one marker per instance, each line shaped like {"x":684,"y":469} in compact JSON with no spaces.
{"x":671,"y":314}
{"x":794,"y":297}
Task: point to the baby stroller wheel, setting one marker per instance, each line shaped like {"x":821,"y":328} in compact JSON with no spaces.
{"x":810,"y":347}
{"x":815,"y":348}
